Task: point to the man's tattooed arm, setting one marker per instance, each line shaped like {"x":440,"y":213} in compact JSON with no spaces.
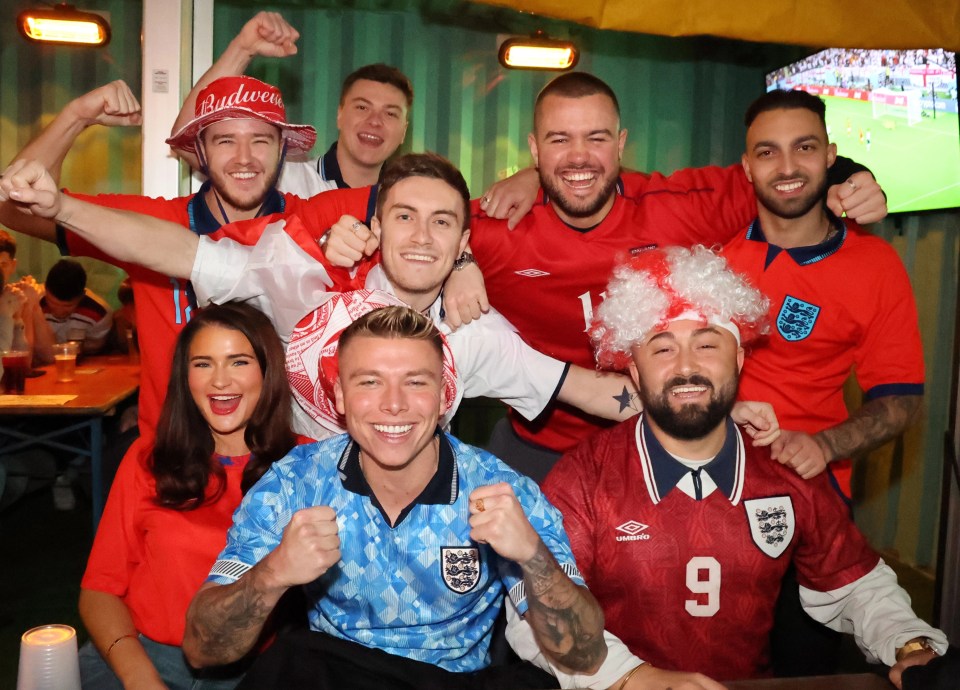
{"x":566,"y":620}
{"x":225,"y":621}
{"x":872,"y":425}
{"x":601,"y":393}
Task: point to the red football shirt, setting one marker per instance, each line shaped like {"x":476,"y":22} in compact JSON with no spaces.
{"x":691,"y":585}
{"x":841,"y":306}
{"x":156,"y":558}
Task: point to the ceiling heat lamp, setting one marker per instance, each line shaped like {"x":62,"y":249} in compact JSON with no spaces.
{"x":538,"y":52}
{"x":64,"y":24}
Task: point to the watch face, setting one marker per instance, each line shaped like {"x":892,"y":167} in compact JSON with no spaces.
{"x":914,"y":646}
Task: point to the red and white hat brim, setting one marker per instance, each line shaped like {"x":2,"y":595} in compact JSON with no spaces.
{"x":298,"y":137}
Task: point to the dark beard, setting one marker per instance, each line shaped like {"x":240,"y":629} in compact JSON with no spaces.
{"x":791,"y":211}
{"x":556,"y":196}
{"x":690,"y":422}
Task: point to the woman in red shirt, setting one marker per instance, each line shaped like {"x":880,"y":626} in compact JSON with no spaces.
{"x":225,"y":419}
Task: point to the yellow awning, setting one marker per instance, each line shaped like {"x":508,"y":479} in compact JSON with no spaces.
{"x":815,"y":23}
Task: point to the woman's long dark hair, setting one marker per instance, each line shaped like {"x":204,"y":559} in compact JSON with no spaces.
{"x":183,"y":459}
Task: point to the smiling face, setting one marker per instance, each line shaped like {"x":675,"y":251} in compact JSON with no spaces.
{"x":687,"y":377}
{"x":786,"y":159}
{"x":577,"y":144}
{"x":225,"y":381}
{"x":372,"y":120}
{"x":243,"y":158}
{"x":390,"y":392}
{"x":421,"y":233}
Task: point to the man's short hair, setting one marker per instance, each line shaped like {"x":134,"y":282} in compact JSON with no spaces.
{"x":393,"y":323}
{"x":428,"y":165}
{"x":781,"y":99}
{"x":379,"y":72}
{"x":576,"y":85}
{"x":66,"y":280}
{"x":8,"y":244}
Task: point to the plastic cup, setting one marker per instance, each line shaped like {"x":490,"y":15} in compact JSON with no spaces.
{"x":48,"y":659}
{"x":65,"y":359}
{"x":16,"y":364}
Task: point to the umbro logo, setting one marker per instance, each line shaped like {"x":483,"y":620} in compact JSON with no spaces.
{"x":632,"y":531}
{"x":531,"y":273}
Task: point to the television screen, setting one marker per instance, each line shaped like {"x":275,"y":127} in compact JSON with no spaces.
{"x":895,"y":111}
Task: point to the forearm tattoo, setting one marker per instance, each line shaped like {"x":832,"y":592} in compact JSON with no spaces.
{"x":875,"y":423}
{"x":628,"y":400}
{"x":566,"y":619}
{"x":226,"y":621}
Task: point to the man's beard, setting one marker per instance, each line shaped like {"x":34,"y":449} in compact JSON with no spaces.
{"x":793,"y":208}
{"x":690,"y":422}
{"x":409,"y":289}
{"x":243,"y":204}
{"x":586,"y":208}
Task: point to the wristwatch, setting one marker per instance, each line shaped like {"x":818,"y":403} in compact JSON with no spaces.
{"x":914,"y":645}
{"x":323,"y":239}
{"x":463,"y":260}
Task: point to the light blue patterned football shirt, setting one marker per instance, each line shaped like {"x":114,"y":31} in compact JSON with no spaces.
{"x":420,"y":589}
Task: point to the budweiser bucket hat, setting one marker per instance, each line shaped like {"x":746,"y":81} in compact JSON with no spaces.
{"x":241,"y":98}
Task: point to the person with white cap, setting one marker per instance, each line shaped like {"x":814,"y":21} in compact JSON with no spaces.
{"x":700,"y":541}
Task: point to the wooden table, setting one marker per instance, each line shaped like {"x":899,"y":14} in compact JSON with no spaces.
{"x":101,"y":384}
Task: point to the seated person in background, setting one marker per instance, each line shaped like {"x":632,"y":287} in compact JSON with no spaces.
{"x":72,"y":311}
{"x":407,"y":543}
{"x":27,"y":292}
{"x":224,"y":420}
{"x":687,"y":565}
{"x":123,"y":333}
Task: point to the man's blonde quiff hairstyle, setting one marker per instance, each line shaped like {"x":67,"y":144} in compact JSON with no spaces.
{"x":393,"y":323}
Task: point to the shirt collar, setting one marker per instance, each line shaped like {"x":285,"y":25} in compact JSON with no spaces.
{"x":330,"y":168}
{"x":442,"y":489}
{"x":663,"y":472}
{"x":202,"y":220}
{"x":803,"y":256}
{"x":377,"y":280}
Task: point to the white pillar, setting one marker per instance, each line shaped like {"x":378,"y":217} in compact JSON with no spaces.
{"x":172,"y":50}
{"x":202,"y":57}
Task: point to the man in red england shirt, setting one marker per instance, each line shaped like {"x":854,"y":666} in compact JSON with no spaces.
{"x":841,"y":300}
{"x":688,"y":561}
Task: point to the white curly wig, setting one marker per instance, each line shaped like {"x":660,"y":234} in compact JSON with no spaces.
{"x":659,"y":285}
